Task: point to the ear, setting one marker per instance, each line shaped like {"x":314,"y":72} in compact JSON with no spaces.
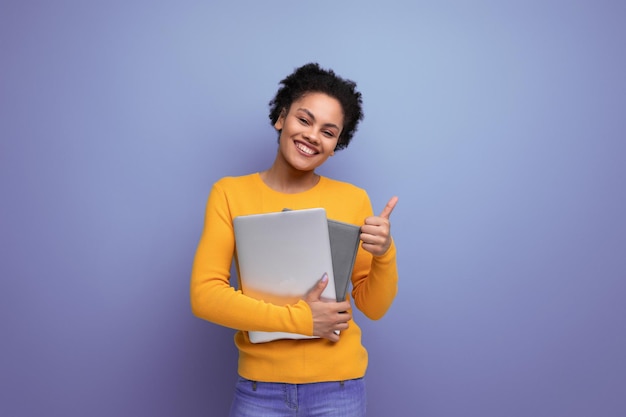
{"x":281,"y":120}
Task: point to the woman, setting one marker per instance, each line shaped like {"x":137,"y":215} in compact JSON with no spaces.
{"x":315,"y":113}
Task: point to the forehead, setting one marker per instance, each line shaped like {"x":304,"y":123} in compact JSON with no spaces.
{"x":324,"y":108}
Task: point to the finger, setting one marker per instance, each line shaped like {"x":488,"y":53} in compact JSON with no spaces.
{"x":340,"y":327}
{"x":343,"y":318}
{"x":342,"y":308}
{"x":316,"y":292}
{"x":391,"y":204}
{"x":333,"y":337}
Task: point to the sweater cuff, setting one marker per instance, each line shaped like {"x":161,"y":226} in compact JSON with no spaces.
{"x":389,"y":256}
{"x":303,"y":318}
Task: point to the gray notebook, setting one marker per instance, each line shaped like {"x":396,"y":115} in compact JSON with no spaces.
{"x":344,"y":244}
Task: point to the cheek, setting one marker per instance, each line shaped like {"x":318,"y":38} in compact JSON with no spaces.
{"x":330,"y":145}
{"x":283,"y":140}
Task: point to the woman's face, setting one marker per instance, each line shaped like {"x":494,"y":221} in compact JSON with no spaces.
{"x":310,"y":130}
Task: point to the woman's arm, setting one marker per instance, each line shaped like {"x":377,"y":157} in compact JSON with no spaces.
{"x":375,"y":276}
{"x":212,"y":296}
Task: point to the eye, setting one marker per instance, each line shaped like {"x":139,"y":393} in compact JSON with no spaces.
{"x":303,"y":121}
{"x":328,"y":133}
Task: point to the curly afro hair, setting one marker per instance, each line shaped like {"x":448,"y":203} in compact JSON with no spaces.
{"x":312,"y":78}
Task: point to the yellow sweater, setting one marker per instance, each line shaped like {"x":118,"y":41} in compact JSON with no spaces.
{"x":374,"y":283}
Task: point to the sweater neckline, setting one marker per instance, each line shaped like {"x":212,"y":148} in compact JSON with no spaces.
{"x":317,"y":186}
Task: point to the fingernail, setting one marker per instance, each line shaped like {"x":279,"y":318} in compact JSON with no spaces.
{"x":325,"y":277}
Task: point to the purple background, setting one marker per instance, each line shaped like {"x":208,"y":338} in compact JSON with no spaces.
{"x":501,"y":126}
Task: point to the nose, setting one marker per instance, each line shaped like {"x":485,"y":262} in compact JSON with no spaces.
{"x":312,"y":135}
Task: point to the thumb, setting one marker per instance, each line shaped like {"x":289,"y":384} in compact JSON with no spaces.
{"x":316,"y":292}
{"x":391,"y":204}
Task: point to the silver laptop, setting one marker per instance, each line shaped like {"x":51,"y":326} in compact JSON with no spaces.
{"x":280,"y":257}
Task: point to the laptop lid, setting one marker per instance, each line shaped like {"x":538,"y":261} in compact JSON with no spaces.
{"x":280,"y":257}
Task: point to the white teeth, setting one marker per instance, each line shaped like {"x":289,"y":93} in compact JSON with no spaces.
{"x":304,"y":148}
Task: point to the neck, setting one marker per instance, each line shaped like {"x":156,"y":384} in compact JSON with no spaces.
{"x":289,"y":181}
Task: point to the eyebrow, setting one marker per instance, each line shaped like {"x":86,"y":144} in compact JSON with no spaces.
{"x":313,"y":117}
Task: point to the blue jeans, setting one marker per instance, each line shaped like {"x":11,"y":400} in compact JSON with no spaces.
{"x":328,"y":399}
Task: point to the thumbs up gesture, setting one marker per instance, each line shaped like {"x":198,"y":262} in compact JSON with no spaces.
{"x":376,"y":232}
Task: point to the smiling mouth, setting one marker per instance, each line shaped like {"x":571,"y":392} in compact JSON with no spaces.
{"x":303,"y":148}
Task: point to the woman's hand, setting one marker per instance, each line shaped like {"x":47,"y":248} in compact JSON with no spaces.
{"x":328,"y":317}
{"x":376,"y":232}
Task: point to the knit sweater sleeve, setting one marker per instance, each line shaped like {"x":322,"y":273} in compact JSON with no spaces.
{"x":374,"y":278}
{"x":212,"y":296}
